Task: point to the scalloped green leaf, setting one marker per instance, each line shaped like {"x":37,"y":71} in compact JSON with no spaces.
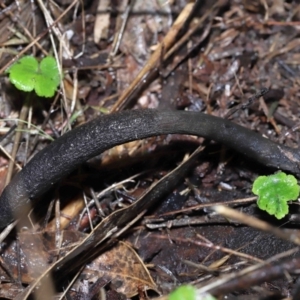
{"x":274,"y":192}
{"x":28,"y":75}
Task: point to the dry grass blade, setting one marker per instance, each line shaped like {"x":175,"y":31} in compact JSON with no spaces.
{"x":256,"y":223}
{"x":167,"y":42}
{"x":253,"y":275}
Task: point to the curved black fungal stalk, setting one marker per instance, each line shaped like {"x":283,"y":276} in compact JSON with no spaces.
{"x":77,"y":146}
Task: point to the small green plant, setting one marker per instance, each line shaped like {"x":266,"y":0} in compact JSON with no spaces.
{"x":274,"y":192}
{"x":28,"y":75}
{"x":188,"y":292}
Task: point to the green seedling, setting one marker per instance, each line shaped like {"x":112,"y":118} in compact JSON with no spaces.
{"x":188,"y":292}
{"x":274,"y":192}
{"x":28,"y":75}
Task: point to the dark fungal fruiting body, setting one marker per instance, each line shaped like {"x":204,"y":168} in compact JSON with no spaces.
{"x":84,"y":142}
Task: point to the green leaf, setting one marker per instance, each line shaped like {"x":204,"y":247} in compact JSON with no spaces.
{"x":27,"y":75}
{"x":188,"y":292}
{"x":184,"y":292}
{"x":274,"y":192}
{"x":18,"y":73}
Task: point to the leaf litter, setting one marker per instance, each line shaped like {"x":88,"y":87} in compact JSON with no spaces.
{"x":178,"y":55}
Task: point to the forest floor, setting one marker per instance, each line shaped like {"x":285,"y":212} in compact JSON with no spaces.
{"x":215,"y":57}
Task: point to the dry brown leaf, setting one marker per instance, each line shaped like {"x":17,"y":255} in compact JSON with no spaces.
{"x":124,"y":269}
